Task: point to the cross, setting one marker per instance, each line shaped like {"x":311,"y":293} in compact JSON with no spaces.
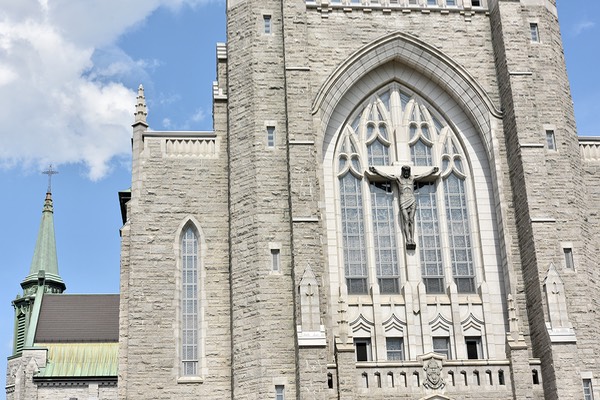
{"x":50,"y":172}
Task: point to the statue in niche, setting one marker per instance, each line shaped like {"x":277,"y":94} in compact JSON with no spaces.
{"x":408,"y":203}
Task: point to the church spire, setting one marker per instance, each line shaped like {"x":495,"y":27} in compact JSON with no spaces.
{"x":44,"y":266}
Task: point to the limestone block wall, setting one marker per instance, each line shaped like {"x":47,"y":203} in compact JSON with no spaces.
{"x":312,"y":55}
{"x":257,"y":188}
{"x":584,"y":314}
{"x":262,"y":302}
{"x":77,"y":390}
{"x":547,"y":183}
{"x":178,"y":177}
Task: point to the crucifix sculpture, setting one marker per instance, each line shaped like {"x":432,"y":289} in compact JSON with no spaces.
{"x":408,"y":205}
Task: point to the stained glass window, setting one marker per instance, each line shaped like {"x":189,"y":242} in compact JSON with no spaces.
{"x":189,"y":302}
{"x":390,"y":124}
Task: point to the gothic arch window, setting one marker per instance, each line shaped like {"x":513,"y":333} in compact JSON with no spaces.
{"x":189,"y":302}
{"x":190,"y":249}
{"x":391,"y":128}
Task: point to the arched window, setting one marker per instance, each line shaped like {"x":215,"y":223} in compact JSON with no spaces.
{"x":189,"y":303}
{"x":395,"y":127}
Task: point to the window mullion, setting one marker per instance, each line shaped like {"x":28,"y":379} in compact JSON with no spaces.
{"x":369,"y":233}
{"x":444,"y":233}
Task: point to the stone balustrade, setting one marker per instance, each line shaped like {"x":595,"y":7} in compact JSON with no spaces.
{"x":185,"y":144}
{"x":411,"y":377}
{"x":589,"y":147}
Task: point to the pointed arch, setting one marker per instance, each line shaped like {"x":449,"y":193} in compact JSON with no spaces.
{"x":190,"y":249}
{"x":413,"y":55}
{"x":389,"y":110}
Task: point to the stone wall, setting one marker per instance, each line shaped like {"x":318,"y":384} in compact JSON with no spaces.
{"x":251,"y":199}
{"x":263,"y":318}
{"x":179,"y":178}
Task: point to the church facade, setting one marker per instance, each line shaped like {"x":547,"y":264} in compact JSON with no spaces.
{"x":393,"y":204}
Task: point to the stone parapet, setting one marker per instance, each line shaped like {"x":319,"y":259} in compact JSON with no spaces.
{"x":405,"y":6}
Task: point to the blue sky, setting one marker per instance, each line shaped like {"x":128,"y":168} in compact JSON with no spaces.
{"x":68,"y":78}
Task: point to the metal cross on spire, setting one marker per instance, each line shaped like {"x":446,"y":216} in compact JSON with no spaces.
{"x":50,"y":172}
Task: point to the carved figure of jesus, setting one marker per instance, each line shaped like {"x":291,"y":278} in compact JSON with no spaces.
{"x":408,"y":203}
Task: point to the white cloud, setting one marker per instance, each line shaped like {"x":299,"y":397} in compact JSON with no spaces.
{"x":62,"y":92}
{"x":198,"y":116}
{"x":166,"y":123}
{"x":583,"y":26}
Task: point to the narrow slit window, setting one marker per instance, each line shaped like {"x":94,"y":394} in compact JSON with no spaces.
{"x":267,"y":24}
{"x":588,"y":393}
{"x":270,"y":136}
{"x":275,"y":260}
{"x":550,"y":140}
{"x":535,"y":378}
{"x":279,"y":392}
{"x":535,"y":33}
{"x":569,"y":263}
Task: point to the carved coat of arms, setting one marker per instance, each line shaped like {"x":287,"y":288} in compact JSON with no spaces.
{"x":433,"y":372}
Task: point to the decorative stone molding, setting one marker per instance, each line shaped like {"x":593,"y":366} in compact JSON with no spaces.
{"x":186,"y":144}
{"x":310,"y":332}
{"x":433,"y":366}
{"x":396,"y":54}
{"x":218,"y":93}
{"x":559,"y":326}
{"x":190,"y":147}
{"x":589,"y":148}
{"x":514,"y":337}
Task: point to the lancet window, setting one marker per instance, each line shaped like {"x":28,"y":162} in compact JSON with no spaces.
{"x":392,"y":128}
{"x":189,"y":303}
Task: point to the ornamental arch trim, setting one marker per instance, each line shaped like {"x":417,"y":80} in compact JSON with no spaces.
{"x":420,"y":67}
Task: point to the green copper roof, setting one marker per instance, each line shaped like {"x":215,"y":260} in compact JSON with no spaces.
{"x":77,"y":360}
{"x":44,"y":256}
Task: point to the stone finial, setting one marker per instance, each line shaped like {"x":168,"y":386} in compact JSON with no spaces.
{"x":515,"y":336}
{"x":342,"y":320}
{"x":140,"y":107}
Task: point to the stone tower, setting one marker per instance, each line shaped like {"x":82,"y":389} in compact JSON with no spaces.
{"x":391,"y":205}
